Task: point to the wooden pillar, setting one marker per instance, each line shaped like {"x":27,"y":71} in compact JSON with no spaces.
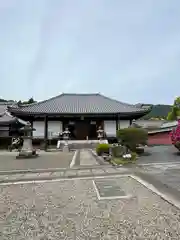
{"x":45,"y":133}
{"x":118,"y":123}
{"x":32,"y":127}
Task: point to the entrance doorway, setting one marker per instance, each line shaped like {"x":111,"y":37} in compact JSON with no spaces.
{"x":92,"y":131}
{"x":82,"y":130}
{"x":72,"y":131}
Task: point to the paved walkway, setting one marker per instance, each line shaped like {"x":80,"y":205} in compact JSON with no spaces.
{"x":86,"y":158}
{"x":31,"y":175}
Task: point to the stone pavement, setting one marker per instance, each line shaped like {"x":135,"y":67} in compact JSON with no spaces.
{"x":46,"y":160}
{"x":167,"y":173}
{"x":160,"y":154}
{"x":71,"y":209}
{"x":87,"y":159}
{"x":78,"y":172}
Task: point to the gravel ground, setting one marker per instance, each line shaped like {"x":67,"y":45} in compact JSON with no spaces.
{"x":44,"y":161}
{"x":70,"y":210}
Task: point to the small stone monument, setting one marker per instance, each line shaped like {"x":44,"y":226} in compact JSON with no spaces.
{"x":27,"y":150}
{"x":66,"y":137}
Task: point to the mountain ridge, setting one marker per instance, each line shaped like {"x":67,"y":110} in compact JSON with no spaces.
{"x":158,"y":111}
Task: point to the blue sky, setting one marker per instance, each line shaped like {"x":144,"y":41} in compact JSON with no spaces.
{"x":128,"y":50}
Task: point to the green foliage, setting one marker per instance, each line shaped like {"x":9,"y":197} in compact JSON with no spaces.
{"x":121,"y":160}
{"x":30,"y":101}
{"x":102,"y":148}
{"x":175,"y":110}
{"x":171,"y":116}
{"x":158,"y":111}
{"x":118,"y":151}
{"x":3,"y":100}
{"x":132,"y":137}
{"x":133,"y":156}
{"x":177,"y":101}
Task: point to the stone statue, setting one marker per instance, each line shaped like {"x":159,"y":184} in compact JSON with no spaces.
{"x":100,"y":133}
{"x":27,"y":150}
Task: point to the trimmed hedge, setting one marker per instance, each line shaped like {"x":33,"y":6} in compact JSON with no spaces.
{"x":118,"y":151}
{"x":132,"y":137}
{"x":102,"y":148}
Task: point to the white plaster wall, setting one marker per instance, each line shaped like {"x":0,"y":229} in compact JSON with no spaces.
{"x":123,"y":124}
{"x":39,"y":126}
{"x":110,"y":128}
{"x":54,"y":128}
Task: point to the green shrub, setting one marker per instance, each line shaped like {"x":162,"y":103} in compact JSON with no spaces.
{"x":134,"y":156}
{"x":132,"y":137}
{"x":118,"y":151}
{"x":102,"y":148}
{"x":177,"y":145}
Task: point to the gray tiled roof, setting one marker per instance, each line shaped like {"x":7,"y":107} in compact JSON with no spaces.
{"x":5,"y":116}
{"x":80,"y":104}
{"x":4,"y":105}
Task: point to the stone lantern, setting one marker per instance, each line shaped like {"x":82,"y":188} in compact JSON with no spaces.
{"x":66,"y":137}
{"x":27,"y":150}
{"x":134,"y":124}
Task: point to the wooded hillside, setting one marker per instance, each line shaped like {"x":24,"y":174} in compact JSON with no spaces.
{"x":159,"y":111}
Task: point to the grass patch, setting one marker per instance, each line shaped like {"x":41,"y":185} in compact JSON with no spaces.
{"x":122,"y":161}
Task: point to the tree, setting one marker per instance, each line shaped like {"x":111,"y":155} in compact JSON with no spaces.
{"x":3,"y":100}
{"x":175,"y":110}
{"x":30,"y":101}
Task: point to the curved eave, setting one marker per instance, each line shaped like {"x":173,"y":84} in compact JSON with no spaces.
{"x":135,"y":114}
